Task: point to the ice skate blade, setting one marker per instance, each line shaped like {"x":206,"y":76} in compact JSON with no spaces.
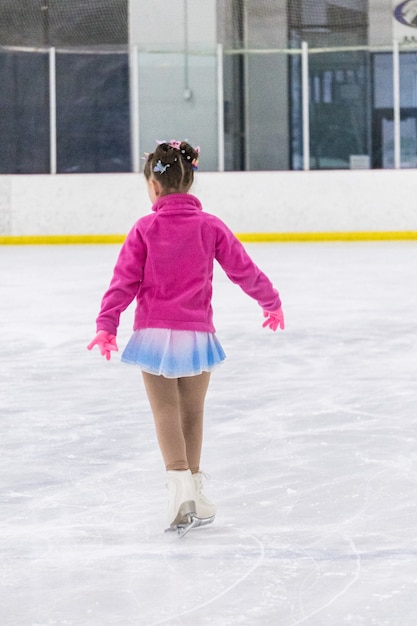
{"x":195,"y":522}
{"x":185,"y":512}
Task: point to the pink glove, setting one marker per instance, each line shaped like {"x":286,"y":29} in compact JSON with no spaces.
{"x":106,"y":343}
{"x":275,"y":319}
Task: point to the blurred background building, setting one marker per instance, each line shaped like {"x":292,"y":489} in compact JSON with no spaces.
{"x":88,"y":85}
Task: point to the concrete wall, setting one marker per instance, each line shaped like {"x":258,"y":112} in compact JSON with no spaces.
{"x":257,"y":202}
{"x":380,"y":22}
{"x":160,"y":24}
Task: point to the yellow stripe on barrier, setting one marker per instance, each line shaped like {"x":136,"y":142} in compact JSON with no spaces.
{"x":328,"y":236}
{"x":41,"y":240}
{"x":244,"y":237}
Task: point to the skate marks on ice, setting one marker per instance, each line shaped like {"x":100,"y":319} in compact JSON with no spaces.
{"x":229,"y":557}
{"x":270,"y":583}
{"x":329,"y":503}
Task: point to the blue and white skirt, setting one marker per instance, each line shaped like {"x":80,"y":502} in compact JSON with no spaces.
{"x":173,"y":353}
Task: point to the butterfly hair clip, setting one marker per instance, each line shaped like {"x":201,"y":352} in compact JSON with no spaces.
{"x":160,"y":167}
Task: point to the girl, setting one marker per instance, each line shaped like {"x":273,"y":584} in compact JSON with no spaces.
{"x":166,"y":262}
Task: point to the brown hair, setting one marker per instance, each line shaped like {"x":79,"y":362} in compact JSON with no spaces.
{"x":172,"y":165}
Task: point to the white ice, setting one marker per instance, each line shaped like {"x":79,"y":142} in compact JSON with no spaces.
{"x":310,"y":442}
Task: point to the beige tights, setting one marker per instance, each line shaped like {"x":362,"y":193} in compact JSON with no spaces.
{"x":178,"y":408}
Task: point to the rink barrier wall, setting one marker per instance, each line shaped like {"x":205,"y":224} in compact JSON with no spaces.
{"x":343,"y":205}
{"x":32,"y":240}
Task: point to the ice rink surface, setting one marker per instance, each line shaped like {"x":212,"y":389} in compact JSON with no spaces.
{"x":310,"y":442}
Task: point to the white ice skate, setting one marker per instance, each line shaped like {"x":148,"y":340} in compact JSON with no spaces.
{"x":181,"y":502}
{"x":204,"y":508}
{"x":187,"y":507}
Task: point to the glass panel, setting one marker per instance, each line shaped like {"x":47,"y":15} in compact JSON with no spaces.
{"x":383,"y":76}
{"x":267,"y":112}
{"x":383,"y":124}
{"x":296,"y":114}
{"x":177,"y":100}
{"x":338,"y":82}
{"x":408,"y":133}
{"x":340,"y":105}
{"x":93,"y":113}
{"x":383,"y":97}
{"x":234,"y":118}
{"x":339,"y":108}
{"x":24,"y":113}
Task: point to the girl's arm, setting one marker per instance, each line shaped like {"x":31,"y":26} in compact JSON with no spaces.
{"x":240,"y":268}
{"x":125,"y":283}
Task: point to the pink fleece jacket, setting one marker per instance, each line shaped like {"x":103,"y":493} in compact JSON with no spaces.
{"x":166,"y":262}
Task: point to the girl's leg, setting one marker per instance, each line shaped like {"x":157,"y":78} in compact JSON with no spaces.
{"x":164,"y":397}
{"x":178,"y":408}
{"x":192,"y":397}
{"x":192,"y":394}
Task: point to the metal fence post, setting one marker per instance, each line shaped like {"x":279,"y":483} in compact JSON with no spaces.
{"x":220,"y":109}
{"x":397,"y":104}
{"x":305,"y":105}
{"x":52,"y":111}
